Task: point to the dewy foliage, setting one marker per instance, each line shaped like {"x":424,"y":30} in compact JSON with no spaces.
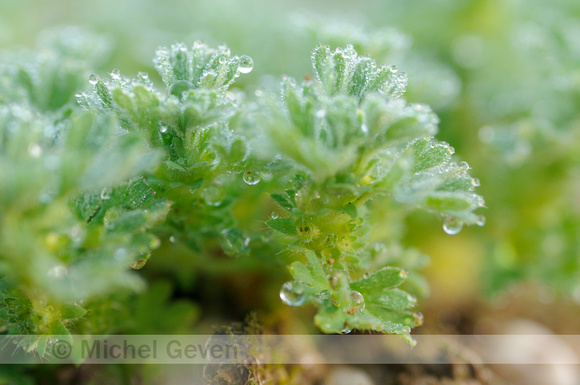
{"x":353,"y":139}
{"x":102,"y":187}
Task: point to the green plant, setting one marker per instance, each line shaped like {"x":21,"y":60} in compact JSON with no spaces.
{"x":341,"y":158}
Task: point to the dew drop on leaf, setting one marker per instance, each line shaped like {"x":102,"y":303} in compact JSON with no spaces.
{"x":480,"y":220}
{"x":452,"y":225}
{"x":324,"y":295}
{"x":475,"y":182}
{"x":274,"y":215}
{"x":93,"y":79}
{"x":292,"y":294}
{"x":246,"y":64}
{"x":346,"y":330}
{"x":213,"y":194}
{"x":106,"y":193}
{"x":116,"y":74}
{"x":252,"y":178}
{"x":357,"y":300}
{"x":417,"y":319}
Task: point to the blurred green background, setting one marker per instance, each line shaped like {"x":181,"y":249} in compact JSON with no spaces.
{"x":503,"y":76}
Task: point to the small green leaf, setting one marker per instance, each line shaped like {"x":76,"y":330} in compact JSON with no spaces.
{"x":395,"y":320}
{"x":386,"y":278}
{"x":316,"y":268}
{"x":449,"y":202}
{"x":394,"y":299}
{"x":57,"y":329}
{"x":282,"y":201}
{"x":350,"y":209}
{"x":429,"y":154}
{"x":283,"y":225}
{"x":330,"y":319}
{"x":196,"y":184}
{"x":301,"y":273}
{"x":237,"y":151}
{"x":41,"y":345}
{"x":68,"y":311}
{"x":104,"y":94}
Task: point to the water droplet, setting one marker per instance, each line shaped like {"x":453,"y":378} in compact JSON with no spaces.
{"x":367,"y":275}
{"x":324,"y":295}
{"x":452,"y":225}
{"x":246,"y":64}
{"x":404,"y":273}
{"x":346,"y":330}
{"x":172,"y":239}
{"x":143,"y":75}
{"x":93,"y":79}
{"x":464,"y":165}
{"x":252,"y":178}
{"x":292,"y":294}
{"x":364,"y":128}
{"x":234,"y":242}
{"x":106,"y":193}
{"x":320,"y":114}
{"x":411,"y":298}
{"x":163,"y":128}
{"x":213,"y":194}
{"x":116,"y":74}
{"x":274,"y":215}
{"x":475,"y":182}
{"x":222,"y":59}
{"x":417,"y":319}
{"x":480,"y":220}
{"x":357,"y":300}
{"x":451,"y":150}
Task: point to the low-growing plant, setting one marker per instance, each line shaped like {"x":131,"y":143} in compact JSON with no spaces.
{"x":94,"y":182}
